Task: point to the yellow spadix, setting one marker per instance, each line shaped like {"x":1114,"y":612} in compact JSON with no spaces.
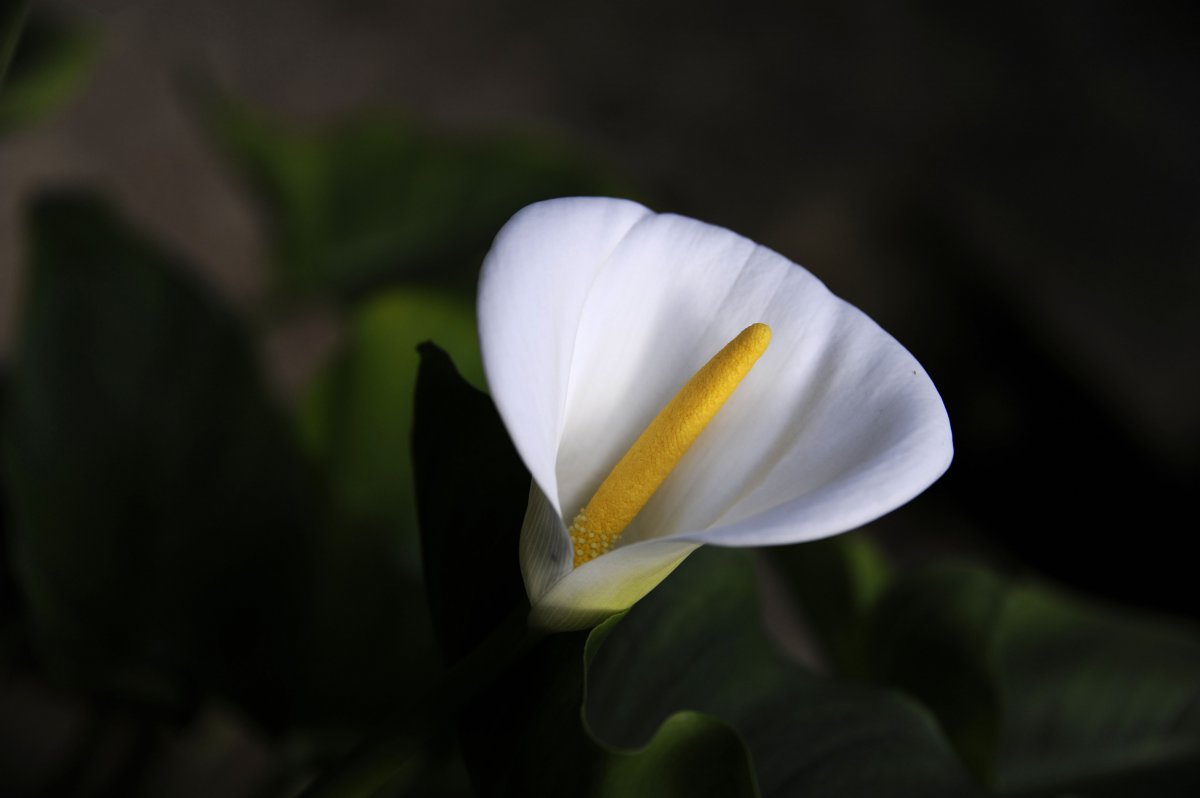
{"x":656,"y":452}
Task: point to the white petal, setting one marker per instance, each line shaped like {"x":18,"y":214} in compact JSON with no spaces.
{"x":869,"y":434}
{"x":531,"y":292}
{"x":545,"y":549}
{"x":836,"y":422}
{"x":651,"y":320}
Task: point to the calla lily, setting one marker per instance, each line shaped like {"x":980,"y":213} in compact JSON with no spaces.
{"x":594,"y":313}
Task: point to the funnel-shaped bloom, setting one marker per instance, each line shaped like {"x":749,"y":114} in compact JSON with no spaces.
{"x":595,"y":313}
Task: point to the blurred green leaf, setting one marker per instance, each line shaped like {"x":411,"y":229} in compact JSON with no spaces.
{"x":930,"y":638}
{"x":163,"y":521}
{"x":12,"y":22}
{"x":356,"y":419}
{"x":377,"y":199}
{"x":664,"y":680}
{"x":836,"y":582}
{"x":9,"y":594}
{"x":356,"y":422}
{"x":47,"y":66}
{"x":367,"y":645}
{"x":1049,"y":693}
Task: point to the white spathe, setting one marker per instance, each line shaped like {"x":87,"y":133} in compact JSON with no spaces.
{"x":593,"y":312}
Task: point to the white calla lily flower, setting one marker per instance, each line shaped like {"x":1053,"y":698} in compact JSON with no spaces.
{"x":597,"y":318}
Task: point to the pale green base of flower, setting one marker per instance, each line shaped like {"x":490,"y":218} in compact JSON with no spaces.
{"x":606,"y":586}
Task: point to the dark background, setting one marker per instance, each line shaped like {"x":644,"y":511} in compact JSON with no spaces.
{"x":1013,"y":191}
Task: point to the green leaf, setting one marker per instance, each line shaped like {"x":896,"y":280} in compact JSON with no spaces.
{"x":162,"y":520}
{"x":910,"y":647}
{"x":356,"y":418}
{"x":836,"y":582}
{"x":366,"y":645}
{"x":526,"y":737}
{"x":173,"y":538}
{"x":48,"y":66}
{"x":378,"y":199}
{"x":371,"y":642}
{"x":697,"y":643}
{"x":9,"y":595}
{"x":666,"y":684}
{"x":1050,"y":694}
{"x":12,"y":22}
{"x":471,"y":491}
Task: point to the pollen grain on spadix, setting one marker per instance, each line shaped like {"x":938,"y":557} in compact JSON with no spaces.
{"x":639,"y":473}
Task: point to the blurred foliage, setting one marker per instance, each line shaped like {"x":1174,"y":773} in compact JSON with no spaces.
{"x":659,"y":692}
{"x":47,"y":61}
{"x":160,"y":509}
{"x":356,"y":417}
{"x":1074,"y":697}
{"x":909,"y":633}
{"x":12,"y":22}
{"x":378,"y":199}
{"x":1040,"y":455}
{"x":1042,"y":692}
{"x":199,"y":552}
{"x":355,"y":422}
{"x":836,"y":581}
{"x":10,"y":602}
